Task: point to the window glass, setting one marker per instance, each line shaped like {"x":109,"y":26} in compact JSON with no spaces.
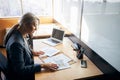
{"x":38,"y":7}
{"x":68,"y":12}
{"x":101,"y":28}
{"x":10,"y":8}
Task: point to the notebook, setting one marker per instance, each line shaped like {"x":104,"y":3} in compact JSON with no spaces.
{"x":56,"y":37}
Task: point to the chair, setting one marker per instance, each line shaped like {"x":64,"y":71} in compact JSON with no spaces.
{"x":3,"y":67}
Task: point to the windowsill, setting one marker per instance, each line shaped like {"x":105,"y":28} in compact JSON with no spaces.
{"x":45,"y":30}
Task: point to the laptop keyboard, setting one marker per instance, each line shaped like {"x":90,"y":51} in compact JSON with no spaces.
{"x":54,"y":41}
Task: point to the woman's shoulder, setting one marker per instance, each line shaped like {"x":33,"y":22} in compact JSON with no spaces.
{"x":15,"y":38}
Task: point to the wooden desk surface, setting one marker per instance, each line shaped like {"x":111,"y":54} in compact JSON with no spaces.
{"x":74,"y":72}
{"x":45,"y":30}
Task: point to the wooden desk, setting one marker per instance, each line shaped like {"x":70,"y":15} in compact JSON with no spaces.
{"x":74,"y":72}
{"x":45,"y":30}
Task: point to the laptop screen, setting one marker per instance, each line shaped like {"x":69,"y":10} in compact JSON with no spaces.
{"x":57,"y":34}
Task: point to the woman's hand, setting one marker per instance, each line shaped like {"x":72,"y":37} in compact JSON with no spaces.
{"x":50,"y":66}
{"x":37,"y":53}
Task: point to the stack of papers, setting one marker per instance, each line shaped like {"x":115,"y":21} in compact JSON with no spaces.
{"x":61,"y":60}
{"x":49,"y":51}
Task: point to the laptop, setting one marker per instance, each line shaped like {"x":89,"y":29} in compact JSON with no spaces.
{"x":56,"y":37}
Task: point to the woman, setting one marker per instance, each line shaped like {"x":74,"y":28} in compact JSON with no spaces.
{"x":20,"y":57}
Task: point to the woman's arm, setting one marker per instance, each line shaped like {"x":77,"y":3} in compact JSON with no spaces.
{"x":17,"y":60}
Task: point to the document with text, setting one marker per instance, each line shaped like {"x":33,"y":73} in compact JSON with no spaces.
{"x":49,"y":51}
{"x":61,"y":60}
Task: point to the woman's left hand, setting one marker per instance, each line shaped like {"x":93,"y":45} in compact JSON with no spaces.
{"x":38,"y":53}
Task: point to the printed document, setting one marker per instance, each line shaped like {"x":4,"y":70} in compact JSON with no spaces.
{"x":61,"y":60}
{"x":49,"y":51}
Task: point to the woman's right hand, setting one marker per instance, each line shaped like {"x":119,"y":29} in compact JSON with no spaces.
{"x":50,"y":66}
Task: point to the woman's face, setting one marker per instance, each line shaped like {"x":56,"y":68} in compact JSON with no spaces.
{"x":32,"y":27}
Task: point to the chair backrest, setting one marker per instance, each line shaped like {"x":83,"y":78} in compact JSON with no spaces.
{"x":3,"y":65}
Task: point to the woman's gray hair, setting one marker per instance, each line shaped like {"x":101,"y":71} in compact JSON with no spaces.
{"x":28,"y":18}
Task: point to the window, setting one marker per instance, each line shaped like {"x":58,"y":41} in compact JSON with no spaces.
{"x":10,"y":8}
{"x":100,"y":29}
{"x":38,"y":7}
{"x":68,"y":12}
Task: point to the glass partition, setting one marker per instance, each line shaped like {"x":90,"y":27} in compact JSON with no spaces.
{"x":101,"y":27}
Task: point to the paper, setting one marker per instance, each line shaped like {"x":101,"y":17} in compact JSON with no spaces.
{"x":62,"y":57}
{"x":61,"y":60}
{"x":49,"y":51}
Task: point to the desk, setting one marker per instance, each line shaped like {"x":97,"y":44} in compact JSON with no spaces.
{"x":45,"y":30}
{"x":74,"y":72}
